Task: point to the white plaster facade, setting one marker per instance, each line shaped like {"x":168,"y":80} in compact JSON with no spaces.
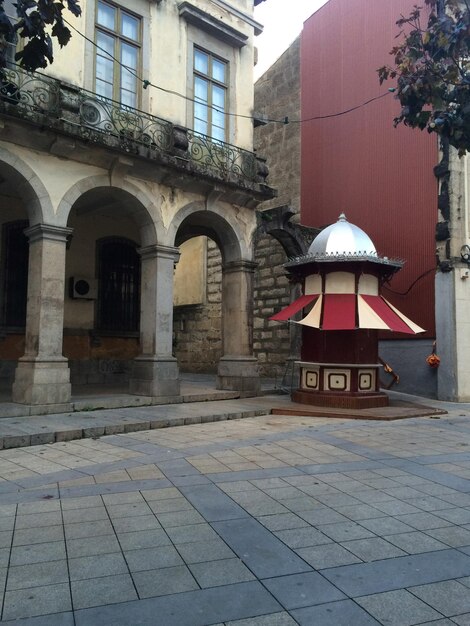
{"x":76,"y":189}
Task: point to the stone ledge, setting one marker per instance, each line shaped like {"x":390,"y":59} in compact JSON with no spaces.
{"x":23,"y":431}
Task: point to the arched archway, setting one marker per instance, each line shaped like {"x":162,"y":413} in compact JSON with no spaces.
{"x":19,"y":181}
{"x":119,"y":194}
{"x":28,"y":235}
{"x":236,"y":368}
{"x":111,"y":225}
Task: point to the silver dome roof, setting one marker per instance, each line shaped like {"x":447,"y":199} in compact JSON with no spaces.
{"x":342,"y":239}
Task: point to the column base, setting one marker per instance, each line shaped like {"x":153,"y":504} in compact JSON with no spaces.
{"x":42,"y":382}
{"x":239,"y":374}
{"x":155,"y":377}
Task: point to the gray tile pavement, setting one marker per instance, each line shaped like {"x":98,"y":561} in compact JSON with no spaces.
{"x":259,"y":522}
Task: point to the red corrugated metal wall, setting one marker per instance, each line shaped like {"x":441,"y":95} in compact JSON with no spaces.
{"x":380,"y":176}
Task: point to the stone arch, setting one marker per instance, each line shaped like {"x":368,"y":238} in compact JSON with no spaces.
{"x":237,"y":369}
{"x":196,"y":219}
{"x":294,"y":239}
{"x":30,"y":188}
{"x":144,"y":207}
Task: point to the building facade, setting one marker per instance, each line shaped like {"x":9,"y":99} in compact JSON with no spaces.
{"x":383,"y":178}
{"x":136,"y":140}
{"x":380,"y":176}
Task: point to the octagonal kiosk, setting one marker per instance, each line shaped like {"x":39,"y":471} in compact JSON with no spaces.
{"x":342,"y":277}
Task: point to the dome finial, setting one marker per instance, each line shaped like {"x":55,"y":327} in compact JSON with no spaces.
{"x":342,"y":217}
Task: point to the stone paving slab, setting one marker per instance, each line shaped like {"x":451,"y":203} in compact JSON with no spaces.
{"x":268,"y":521}
{"x":193,"y":608}
{"x":21,"y":427}
{"x":407,"y":571}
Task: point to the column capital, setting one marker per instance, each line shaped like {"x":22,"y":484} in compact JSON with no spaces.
{"x":48,"y":232}
{"x":159,"y":251}
{"x":239,"y":266}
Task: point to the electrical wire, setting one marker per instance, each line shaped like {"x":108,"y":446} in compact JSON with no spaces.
{"x":405,"y":293}
{"x":285,"y":120}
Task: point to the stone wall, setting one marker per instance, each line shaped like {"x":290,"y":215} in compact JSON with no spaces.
{"x":277,"y":95}
{"x":271,"y":340}
{"x":197,"y":329}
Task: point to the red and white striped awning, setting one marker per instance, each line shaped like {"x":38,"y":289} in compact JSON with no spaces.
{"x":344,"y":311}
{"x":342,"y":302}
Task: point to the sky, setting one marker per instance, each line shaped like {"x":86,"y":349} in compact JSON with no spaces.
{"x":281,"y":27}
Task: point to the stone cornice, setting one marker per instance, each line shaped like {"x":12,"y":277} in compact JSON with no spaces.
{"x":210,"y":24}
{"x":158,"y":251}
{"x":41,"y":232}
{"x":240,"y":266}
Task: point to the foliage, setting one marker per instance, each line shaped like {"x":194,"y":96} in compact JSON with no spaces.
{"x":432,"y":67}
{"x":38,"y":21}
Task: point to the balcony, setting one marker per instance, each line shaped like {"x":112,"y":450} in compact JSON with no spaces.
{"x":63,"y":109}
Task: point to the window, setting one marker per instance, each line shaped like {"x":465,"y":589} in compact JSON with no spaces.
{"x":210,"y":95}
{"x":11,"y":46}
{"x":118,"y":35}
{"x":15,"y":257}
{"x":118,"y":307}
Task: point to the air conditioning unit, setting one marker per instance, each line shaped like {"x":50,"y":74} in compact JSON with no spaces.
{"x":83,"y":288}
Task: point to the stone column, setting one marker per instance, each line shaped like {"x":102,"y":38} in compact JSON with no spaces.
{"x":452,"y":286}
{"x":42,"y":375}
{"x":155,"y":371}
{"x":238,"y":368}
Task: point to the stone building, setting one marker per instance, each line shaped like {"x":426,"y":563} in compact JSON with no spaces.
{"x":102,"y":180}
{"x":393,"y":182}
{"x":279,"y":235}
{"x":198,"y":338}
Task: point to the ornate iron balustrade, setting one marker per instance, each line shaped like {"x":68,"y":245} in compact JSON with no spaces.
{"x":49,"y":102}
{"x":102,"y":120}
{"x":30,"y":94}
{"x":221,"y":157}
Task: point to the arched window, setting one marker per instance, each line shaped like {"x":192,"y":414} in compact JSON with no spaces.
{"x":118,"y":306}
{"x":15,"y":257}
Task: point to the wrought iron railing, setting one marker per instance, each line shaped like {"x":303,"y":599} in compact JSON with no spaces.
{"x":30,"y":94}
{"x":49,"y":102}
{"x":221,"y":157}
{"x":101,"y":120}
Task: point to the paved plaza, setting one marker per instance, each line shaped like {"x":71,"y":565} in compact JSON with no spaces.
{"x":263,"y":521}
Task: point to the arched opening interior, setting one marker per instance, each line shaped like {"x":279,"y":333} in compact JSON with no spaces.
{"x":15,"y":200}
{"x":197,"y":312}
{"x":102,"y":300}
{"x":207,"y":243}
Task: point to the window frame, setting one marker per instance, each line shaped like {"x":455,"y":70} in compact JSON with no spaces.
{"x":197,"y":38}
{"x":12,"y":48}
{"x":99,"y":327}
{"x":118,"y":40}
{"x":211,"y":82}
{"x":6,"y":228}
